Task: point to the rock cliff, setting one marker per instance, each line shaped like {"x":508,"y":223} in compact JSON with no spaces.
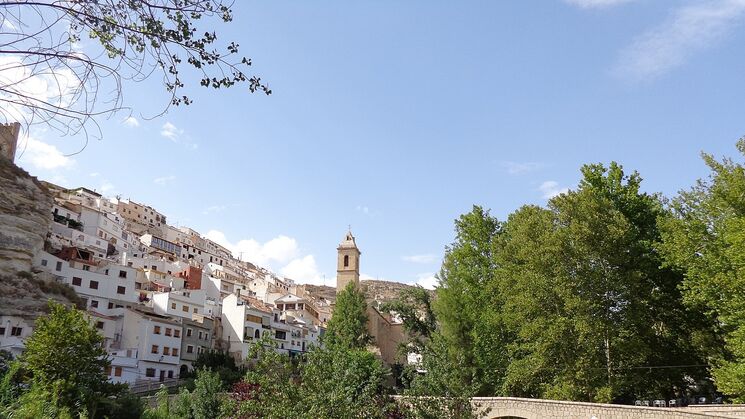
{"x":25,"y":214}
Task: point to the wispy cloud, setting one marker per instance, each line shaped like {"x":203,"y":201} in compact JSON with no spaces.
{"x":596,"y":4}
{"x":551,"y":188}
{"x":177,"y":135}
{"x":170,"y":131}
{"x":131,"y":122}
{"x":41,"y":155}
{"x":519,"y":168}
{"x":427,"y":258}
{"x":214,"y":209}
{"x":363,"y":209}
{"x":687,"y":31}
{"x":164,"y":180}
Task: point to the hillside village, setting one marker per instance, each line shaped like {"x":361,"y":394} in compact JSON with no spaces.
{"x":161,"y":295}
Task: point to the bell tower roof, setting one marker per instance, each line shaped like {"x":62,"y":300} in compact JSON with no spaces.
{"x":348,"y":242}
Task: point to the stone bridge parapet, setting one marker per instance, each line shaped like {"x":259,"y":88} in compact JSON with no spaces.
{"x":514,"y":407}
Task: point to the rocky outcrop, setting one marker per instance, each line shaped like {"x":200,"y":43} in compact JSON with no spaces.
{"x":25,"y":208}
{"x":25,"y":215}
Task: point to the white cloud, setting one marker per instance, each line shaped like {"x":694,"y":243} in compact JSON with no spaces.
{"x":106,"y":188}
{"x":214,"y":209}
{"x":170,"y":131}
{"x":427,"y":258}
{"x":280,"y":249}
{"x":518,"y":168}
{"x":304,"y":270}
{"x":40,"y":84}
{"x":550,"y":189}
{"x":596,"y":4}
{"x":363,"y":209}
{"x":689,"y":29}
{"x":177,"y":135}
{"x":131,"y":122}
{"x":427,"y":280}
{"x":41,"y":155}
{"x":164,"y":180}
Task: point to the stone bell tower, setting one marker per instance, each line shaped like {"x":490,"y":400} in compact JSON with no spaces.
{"x":348,"y":263}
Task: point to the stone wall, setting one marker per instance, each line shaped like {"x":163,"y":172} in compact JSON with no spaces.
{"x":9,"y":140}
{"x":513,"y":407}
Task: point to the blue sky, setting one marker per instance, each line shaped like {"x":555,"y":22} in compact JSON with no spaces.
{"x":396,"y":117}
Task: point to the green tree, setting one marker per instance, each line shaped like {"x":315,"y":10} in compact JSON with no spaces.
{"x":337,"y":382}
{"x":587,"y":300}
{"x":704,"y":238}
{"x":466,"y":303}
{"x":348,"y":325}
{"x":205,"y":402}
{"x":414,"y":307}
{"x":269,"y":389}
{"x":65,"y":357}
{"x":221,"y":362}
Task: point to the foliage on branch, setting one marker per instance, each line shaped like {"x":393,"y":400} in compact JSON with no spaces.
{"x":64,"y":63}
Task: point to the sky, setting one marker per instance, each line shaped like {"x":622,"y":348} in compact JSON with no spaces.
{"x":396,"y":117}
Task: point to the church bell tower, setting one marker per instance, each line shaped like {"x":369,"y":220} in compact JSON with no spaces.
{"x":348,"y":263}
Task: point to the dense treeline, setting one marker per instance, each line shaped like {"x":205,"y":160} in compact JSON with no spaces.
{"x":606,"y":294}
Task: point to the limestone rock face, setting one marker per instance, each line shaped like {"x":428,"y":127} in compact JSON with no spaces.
{"x":25,"y":215}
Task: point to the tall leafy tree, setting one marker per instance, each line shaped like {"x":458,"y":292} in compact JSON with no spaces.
{"x":466,"y":305}
{"x":65,"y":358}
{"x":587,"y":298}
{"x":705,"y":238}
{"x":348,"y":324}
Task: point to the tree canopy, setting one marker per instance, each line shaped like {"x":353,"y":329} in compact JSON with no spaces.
{"x":348,"y":325}
{"x":705,"y":237}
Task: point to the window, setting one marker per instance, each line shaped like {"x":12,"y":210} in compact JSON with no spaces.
{"x":195,"y":310}
{"x":170,"y":374}
{"x":58,"y":267}
{"x":156,"y":330}
{"x":121,"y":290}
{"x":346,"y":260}
{"x":150,"y":372}
{"x":168,"y":331}
{"x":188,"y":333}
{"x":43,"y":262}
{"x":108,"y":370}
{"x":106,"y":272}
{"x":154,"y":349}
{"x":189,"y":349}
{"x":94,"y":303}
{"x":173,"y":306}
{"x":86,"y":268}
{"x":200,"y":335}
{"x":2,"y":331}
{"x":111,"y":305}
{"x":166,"y":350}
{"x":177,"y":333}
{"x":93,"y":285}
{"x":256,"y":334}
{"x":122,"y":274}
{"x":174,"y":352}
{"x":77,"y":281}
{"x":118,"y":372}
{"x":185,"y":308}
{"x":99,"y":325}
{"x":16,"y":331}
